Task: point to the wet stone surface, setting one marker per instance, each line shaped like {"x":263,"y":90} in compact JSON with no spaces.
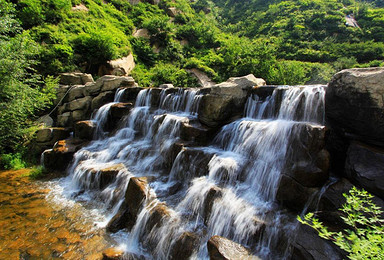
{"x":34,"y":225}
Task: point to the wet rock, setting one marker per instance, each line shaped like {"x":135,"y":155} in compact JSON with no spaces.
{"x":220,"y":248}
{"x":355,"y":105}
{"x":135,"y":197}
{"x":292,"y":194}
{"x":170,"y":154}
{"x":120,"y":110}
{"x":130,"y":94}
{"x":226,"y":100}
{"x":216,"y":110}
{"x":212,"y":195}
{"x":102,"y":99}
{"x":308,"y":245}
{"x":307,"y":160}
{"x":85,"y":129}
{"x":157,"y":215}
{"x":75,"y":78}
{"x":193,"y":162}
{"x":51,"y":135}
{"x":113,"y":253}
{"x":195,"y":132}
{"x":365,"y":166}
{"x":107,"y":175}
{"x":58,"y":158}
{"x":184,"y":246}
{"x":118,"y":67}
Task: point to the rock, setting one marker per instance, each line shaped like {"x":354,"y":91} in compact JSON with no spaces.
{"x":212,"y":195}
{"x":307,"y":161}
{"x":157,"y":215}
{"x":130,"y":94}
{"x":61,"y":94}
{"x":113,"y":83}
{"x":135,"y":196}
{"x":184,"y":246}
{"x":51,"y":135}
{"x":80,"y":104}
{"x":292,"y":194}
{"x":247,"y":82}
{"x":355,"y":105}
{"x":216,"y":110}
{"x":45,"y":121}
{"x":58,"y":158}
{"x":102,"y":99}
{"x":79,"y":8}
{"x":141,"y":33}
{"x":202,"y":77}
{"x":172,"y":11}
{"x":193,"y":162}
{"x":236,"y":92}
{"x":120,"y":110}
{"x":166,"y":86}
{"x":113,"y":253}
{"x":118,"y":67}
{"x":107,"y":175}
{"x":170,"y":154}
{"x":333,"y":199}
{"x":85,"y":129}
{"x":64,"y":119}
{"x":75,"y":78}
{"x":308,"y":245}
{"x":365,"y":167}
{"x":195,"y":132}
{"x":76,"y":92}
{"x":79,"y":115}
{"x":220,"y":248}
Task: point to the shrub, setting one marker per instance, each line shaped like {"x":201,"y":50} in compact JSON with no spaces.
{"x":12,"y":161}
{"x":365,"y":237}
{"x":37,"y":172}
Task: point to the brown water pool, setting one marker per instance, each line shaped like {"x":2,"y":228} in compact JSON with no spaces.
{"x":33,"y":225}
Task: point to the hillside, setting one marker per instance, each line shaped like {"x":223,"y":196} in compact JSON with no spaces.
{"x":315,"y":31}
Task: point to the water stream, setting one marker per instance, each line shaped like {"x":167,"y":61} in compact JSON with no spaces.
{"x":242,"y":166}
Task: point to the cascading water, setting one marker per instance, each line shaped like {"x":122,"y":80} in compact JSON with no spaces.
{"x":241,"y":167}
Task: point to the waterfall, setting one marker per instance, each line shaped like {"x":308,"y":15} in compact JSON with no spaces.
{"x":238,"y":173}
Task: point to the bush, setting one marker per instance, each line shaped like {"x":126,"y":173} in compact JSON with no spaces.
{"x":365,"y":237}
{"x":37,"y":172}
{"x":12,"y":161}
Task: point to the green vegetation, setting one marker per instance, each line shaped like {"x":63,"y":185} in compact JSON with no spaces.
{"x":37,"y":172}
{"x":365,"y":237}
{"x":284,"y":42}
{"x":12,"y":162}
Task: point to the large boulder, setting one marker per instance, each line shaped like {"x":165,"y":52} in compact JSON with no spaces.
{"x":85,"y":129}
{"x":58,"y":158}
{"x":108,"y":174}
{"x":184,"y":246}
{"x":118,"y":67}
{"x":365,"y":167}
{"x":75,"y":78}
{"x":355,"y":104}
{"x":226,"y":100}
{"x":307,"y":161}
{"x":51,"y":135}
{"x":135,"y":196}
{"x":102,"y":99}
{"x":308,"y":245}
{"x":221,"y":248}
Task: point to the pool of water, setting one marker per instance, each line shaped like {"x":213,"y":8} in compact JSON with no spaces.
{"x":37,"y":222}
